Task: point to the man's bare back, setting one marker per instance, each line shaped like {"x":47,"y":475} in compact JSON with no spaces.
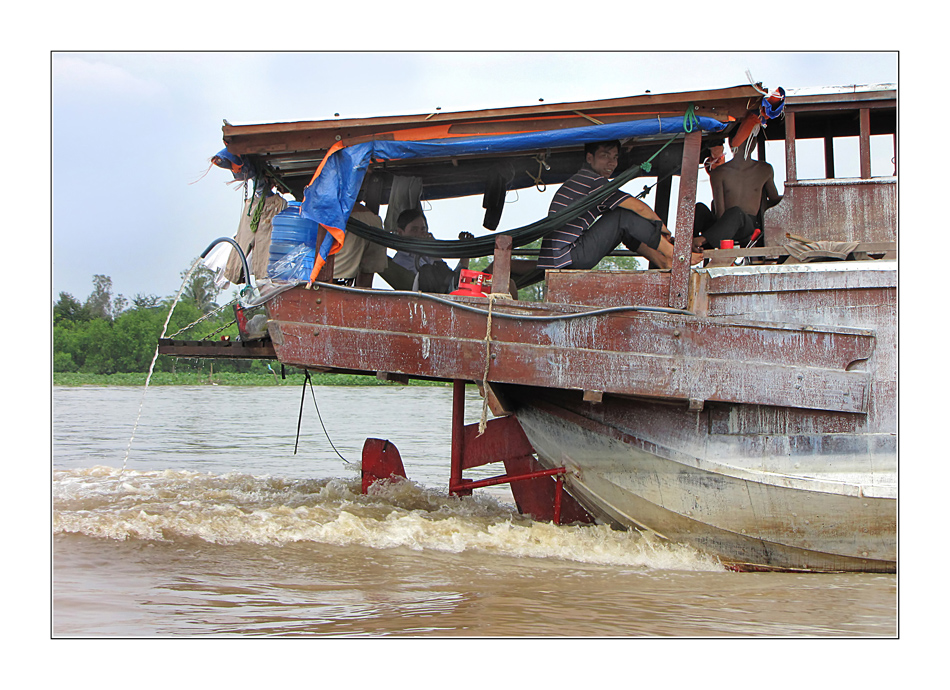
{"x":739,"y":182}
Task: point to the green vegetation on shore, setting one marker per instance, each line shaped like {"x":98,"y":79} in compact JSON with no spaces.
{"x":225,"y":378}
{"x":110,"y":341}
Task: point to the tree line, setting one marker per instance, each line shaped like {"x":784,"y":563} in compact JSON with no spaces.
{"x":109,"y":334}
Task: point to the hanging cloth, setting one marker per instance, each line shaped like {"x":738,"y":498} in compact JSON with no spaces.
{"x":254,"y":243}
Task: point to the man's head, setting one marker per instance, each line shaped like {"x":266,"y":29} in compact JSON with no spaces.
{"x":412,"y":223}
{"x":602,"y":156}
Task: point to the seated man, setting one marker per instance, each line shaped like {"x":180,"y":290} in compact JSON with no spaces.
{"x":741,"y":188}
{"x":581,"y":243}
{"x":359,"y":259}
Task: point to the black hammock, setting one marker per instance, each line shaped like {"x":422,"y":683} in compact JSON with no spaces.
{"x":485,"y":245}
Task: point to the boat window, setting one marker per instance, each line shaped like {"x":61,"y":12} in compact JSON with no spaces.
{"x":883,"y":156}
{"x":810,"y":155}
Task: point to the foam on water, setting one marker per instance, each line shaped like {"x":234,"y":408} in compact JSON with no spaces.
{"x":234,"y":508}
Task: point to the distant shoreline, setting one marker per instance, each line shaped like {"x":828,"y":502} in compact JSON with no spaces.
{"x":198,"y":378}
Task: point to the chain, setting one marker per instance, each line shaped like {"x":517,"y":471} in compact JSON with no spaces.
{"x":205,"y":317}
{"x":214,"y":333}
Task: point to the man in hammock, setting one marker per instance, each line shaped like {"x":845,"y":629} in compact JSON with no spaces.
{"x":431,"y":274}
{"x":582,"y":242}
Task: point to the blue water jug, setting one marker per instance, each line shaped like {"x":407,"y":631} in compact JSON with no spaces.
{"x":292,"y":245}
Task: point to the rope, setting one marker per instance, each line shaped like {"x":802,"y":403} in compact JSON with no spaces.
{"x":690,"y":121}
{"x":538,"y":182}
{"x":483,"y":422}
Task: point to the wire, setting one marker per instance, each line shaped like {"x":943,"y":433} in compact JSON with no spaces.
{"x":498,"y":314}
{"x":303,"y":394}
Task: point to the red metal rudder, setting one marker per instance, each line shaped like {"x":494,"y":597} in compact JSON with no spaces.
{"x":537,"y":491}
{"x":381,"y":460}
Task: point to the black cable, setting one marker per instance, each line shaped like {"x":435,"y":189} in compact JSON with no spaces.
{"x":503,"y":315}
{"x":303,"y":394}
{"x":319,"y":416}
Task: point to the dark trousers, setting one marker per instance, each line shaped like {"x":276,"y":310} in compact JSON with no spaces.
{"x":735,"y":224}
{"x":611,"y":229}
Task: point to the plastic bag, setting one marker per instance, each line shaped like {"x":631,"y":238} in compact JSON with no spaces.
{"x":296,"y":264}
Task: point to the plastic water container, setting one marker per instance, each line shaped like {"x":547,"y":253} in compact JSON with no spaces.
{"x":292,"y":245}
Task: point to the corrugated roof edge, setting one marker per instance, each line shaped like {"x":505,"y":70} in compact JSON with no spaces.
{"x":829,"y":90}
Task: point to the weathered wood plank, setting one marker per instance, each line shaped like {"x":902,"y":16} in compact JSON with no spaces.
{"x":621,"y":331}
{"x":609,"y":288}
{"x":685,"y":213}
{"x":655,"y":354}
{"x":217,"y":349}
{"x":663,"y":376}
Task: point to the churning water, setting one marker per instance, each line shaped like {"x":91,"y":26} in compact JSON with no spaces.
{"x":216,"y":528}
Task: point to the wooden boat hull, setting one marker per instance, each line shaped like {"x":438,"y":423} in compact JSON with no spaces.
{"x":817,"y":510}
{"x":758,"y":484}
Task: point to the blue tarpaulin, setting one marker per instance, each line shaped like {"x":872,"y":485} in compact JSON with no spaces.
{"x":330,"y":198}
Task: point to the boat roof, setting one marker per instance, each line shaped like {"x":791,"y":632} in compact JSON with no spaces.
{"x":293,"y":151}
{"x":863,"y":91}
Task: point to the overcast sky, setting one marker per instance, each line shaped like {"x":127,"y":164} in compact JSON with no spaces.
{"x":132,"y":132}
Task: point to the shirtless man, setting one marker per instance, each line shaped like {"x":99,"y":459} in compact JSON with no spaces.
{"x":741,"y":188}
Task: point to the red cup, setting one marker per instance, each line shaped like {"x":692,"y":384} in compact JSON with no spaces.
{"x":726,"y":244}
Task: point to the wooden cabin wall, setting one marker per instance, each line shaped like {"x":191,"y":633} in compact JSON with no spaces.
{"x":835,"y":210}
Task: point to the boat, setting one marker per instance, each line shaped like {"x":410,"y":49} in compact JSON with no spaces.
{"x":746,"y":407}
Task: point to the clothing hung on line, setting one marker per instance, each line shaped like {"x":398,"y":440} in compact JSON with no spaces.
{"x":254,"y":243}
{"x":359,"y":255}
{"x":404,"y":194}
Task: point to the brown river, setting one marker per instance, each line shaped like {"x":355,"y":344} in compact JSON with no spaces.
{"x":214,"y":527}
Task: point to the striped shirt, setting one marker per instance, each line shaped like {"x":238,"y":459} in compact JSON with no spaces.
{"x":556,"y":246}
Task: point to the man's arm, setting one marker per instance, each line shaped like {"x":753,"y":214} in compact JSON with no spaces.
{"x":718,"y":194}
{"x":772,"y":197}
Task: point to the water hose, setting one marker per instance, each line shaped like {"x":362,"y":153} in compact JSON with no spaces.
{"x":247,"y":270}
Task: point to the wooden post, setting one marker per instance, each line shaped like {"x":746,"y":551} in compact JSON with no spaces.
{"x":664,"y":189}
{"x":791,"y":168}
{"x":894,"y":148}
{"x":501,"y":271}
{"x":458,"y":437}
{"x":865,"y":143}
{"x":685,"y":214}
{"x":829,"y":157}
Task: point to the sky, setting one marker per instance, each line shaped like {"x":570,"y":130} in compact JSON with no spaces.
{"x":133,"y":132}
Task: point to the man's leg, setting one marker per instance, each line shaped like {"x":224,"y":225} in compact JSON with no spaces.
{"x":703,"y":219}
{"x":608,"y":231}
{"x":735,"y":224}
